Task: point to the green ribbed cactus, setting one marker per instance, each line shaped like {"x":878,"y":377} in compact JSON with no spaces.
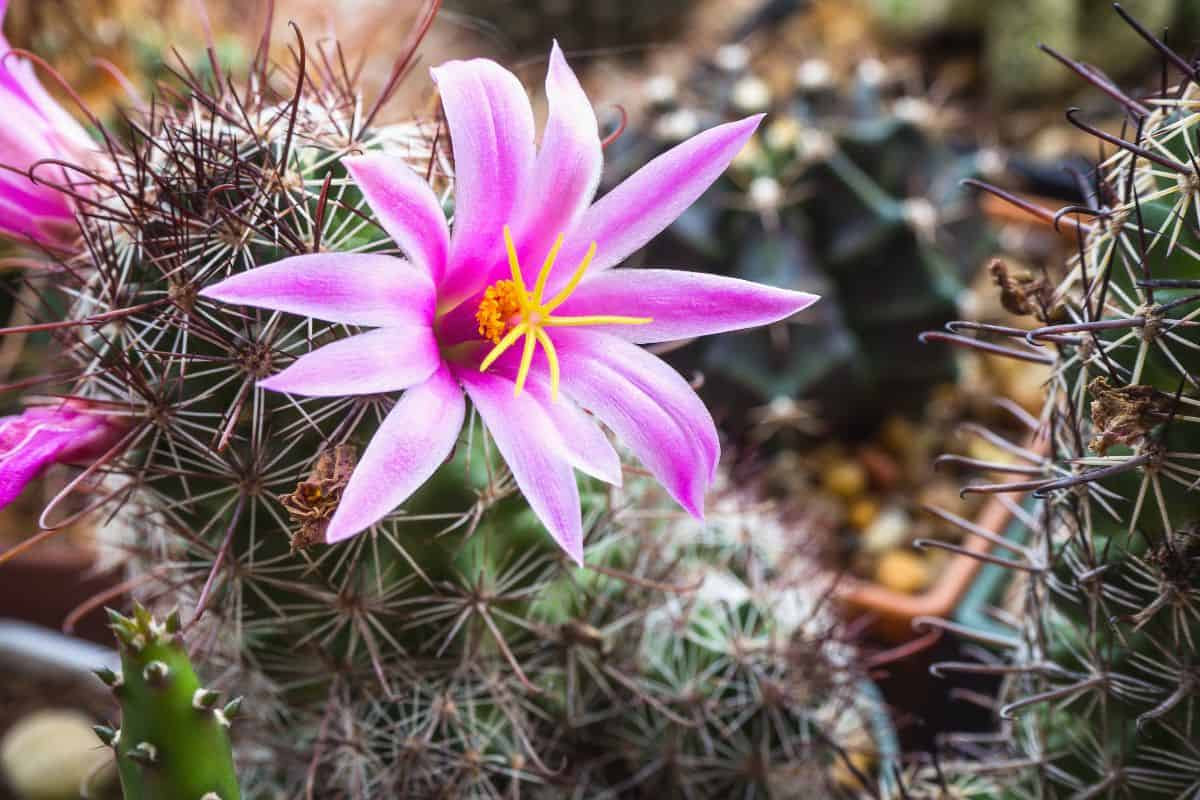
{"x":1100,"y":651}
{"x":173,"y":743}
{"x":852,"y":190}
{"x":452,"y":650}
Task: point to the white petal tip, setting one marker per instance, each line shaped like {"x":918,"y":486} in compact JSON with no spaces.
{"x":338,"y":531}
{"x":804,"y":300}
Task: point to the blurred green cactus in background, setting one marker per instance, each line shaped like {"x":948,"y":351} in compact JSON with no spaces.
{"x":1014,"y":68}
{"x":851,"y":190}
{"x":624,"y":27}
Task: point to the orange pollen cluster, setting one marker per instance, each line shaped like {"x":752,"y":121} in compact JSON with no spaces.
{"x":501,"y":302}
{"x":509,"y":311}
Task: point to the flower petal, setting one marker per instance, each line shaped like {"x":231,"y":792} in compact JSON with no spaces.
{"x":681,"y":304}
{"x":584,"y":444}
{"x":578,"y":438}
{"x":29,"y":444}
{"x":645,"y":203}
{"x":492,"y":135}
{"x":406,"y":208}
{"x":24,"y":464}
{"x":384,"y":360}
{"x":31,"y":441}
{"x":649,"y":407}
{"x":413,"y":441}
{"x":525,"y":438}
{"x":567,"y":170}
{"x":352,"y":288}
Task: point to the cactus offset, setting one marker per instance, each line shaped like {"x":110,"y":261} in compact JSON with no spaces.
{"x":1101,"y":692}
{"x":173,"y":743}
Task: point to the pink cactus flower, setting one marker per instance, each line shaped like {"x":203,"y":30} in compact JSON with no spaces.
{"x":35,"y":127}
{"x":32,"y":441}
{"x":528,"y":266}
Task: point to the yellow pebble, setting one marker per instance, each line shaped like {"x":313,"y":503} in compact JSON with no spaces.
{"x":862,"y":513}
{"x":902,"y":571}
{"x":898,"y":435}
{"x":986,"y":451}
{"x":846,"y":479}
{"x":842,"y":774}
{"x":49,"y":755}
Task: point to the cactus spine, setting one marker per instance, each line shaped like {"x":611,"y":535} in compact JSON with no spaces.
{"x":1101,"y":693}
{"x":173,"y":743}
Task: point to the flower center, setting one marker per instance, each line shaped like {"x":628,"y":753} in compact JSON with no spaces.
{"x":509,"y":312}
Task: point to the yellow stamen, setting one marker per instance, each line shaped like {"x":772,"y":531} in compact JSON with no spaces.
{"x":572,"y":284}
{"x":544,"y":275}
{"x":514,"y":265}
{"x":501,"y":303}
{"x":526,"y":361}
{"x":567,"y":322}
{"x":505,"y":343}
{"x":508,"y":303}
{"x":552,"y":357}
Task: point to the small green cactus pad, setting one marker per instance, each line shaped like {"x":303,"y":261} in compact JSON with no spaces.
{"x":173,"y":743}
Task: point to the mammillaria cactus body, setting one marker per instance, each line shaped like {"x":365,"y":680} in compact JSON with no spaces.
{"x":1100,"y":693}
{"x":451,"y":648}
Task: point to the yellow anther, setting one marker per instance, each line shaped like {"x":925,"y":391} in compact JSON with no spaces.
{"x":508,"y":303}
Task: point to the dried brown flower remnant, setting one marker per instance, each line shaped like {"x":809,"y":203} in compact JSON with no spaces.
{"x":315,"y":499}
{"x":1124,"y":414}
{"x":1023,"y":294}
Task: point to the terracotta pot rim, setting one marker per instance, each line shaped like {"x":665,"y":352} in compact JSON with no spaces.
{"x":895,"y":612}
{"x":52,"y":554}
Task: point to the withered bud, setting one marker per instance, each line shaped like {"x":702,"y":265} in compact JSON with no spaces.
{"x":315,"y":499}
{"x":1125,"y":414}
{"x":1023,"y":294}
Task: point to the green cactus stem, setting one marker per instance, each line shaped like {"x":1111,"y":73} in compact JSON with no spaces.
{"x":173,"y":743}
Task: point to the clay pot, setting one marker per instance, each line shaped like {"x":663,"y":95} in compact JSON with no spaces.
{"x":892,"y":613}
{"x":47,"y":583}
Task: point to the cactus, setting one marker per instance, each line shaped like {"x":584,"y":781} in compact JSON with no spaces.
{"x":1100,"y":650}
{"x":840,"y":193}
{"x":173,"y":743}
{"x":452,"y":650}
{"x":625,"y":26}
{"x":1014,"y":68}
